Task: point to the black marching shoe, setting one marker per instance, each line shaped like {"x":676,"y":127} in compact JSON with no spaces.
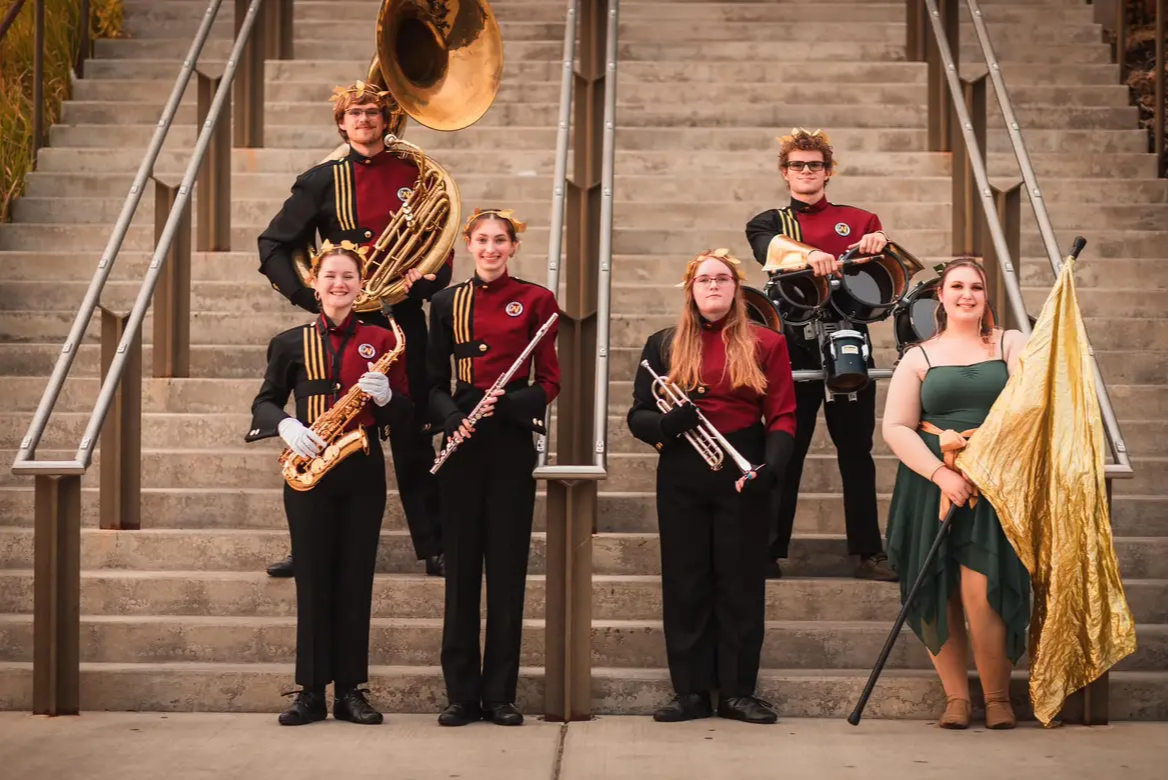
{"x":460,"y":713}
{"x":352,"y":705}
{"x":747,"y":709}
{"x":307,"y":707}
{"x":876,"y":567}
{"x":503,"y":714}
{"x":281,"y":568}
{"x":436,"y":565}
{"x":684,"y":706}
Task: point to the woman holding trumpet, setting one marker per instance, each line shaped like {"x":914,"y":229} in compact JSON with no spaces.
{"x":484,"y":326}
{"x":714,"y":395}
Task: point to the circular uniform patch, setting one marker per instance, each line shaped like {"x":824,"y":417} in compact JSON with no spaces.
{"x":366,"y":351}
{"x":514,"y":309}
{"x":404,"y":193}
{"x":842,"y":229}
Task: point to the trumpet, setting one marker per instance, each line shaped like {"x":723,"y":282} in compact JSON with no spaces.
{"x":706,"y":439}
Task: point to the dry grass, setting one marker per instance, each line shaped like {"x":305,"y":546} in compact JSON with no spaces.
{"x":62,"y":40}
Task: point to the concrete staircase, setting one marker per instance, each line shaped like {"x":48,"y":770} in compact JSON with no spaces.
{"x":179,"y":615}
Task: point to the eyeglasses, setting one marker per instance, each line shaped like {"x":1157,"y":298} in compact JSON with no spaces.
{"x":718,"y":281}
{"x":799,"y":165}
{"x":357,"y":113}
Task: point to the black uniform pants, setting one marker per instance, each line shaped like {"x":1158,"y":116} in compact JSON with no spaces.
{"x":335,"y":530}
{"x":851,"y":425}
{"x":413,"y":446}
{"x":714,"y":558}
{"x":488,"y":497}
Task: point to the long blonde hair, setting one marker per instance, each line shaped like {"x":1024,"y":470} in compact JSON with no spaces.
{"x":741,"y":347}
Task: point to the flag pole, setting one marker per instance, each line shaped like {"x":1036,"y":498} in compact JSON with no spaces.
{"x":855,"y":717}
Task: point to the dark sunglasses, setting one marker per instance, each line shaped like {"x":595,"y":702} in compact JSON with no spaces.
{"x":798,"y":165}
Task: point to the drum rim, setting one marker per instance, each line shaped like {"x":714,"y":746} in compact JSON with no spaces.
{"x":872,"y":312}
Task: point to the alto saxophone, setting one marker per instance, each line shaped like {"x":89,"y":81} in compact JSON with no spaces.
{"x":306,"y":473}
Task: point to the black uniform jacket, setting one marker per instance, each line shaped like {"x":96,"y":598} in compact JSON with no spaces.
{"x":485,"y":326}
{"x":300,"y":364}
{"x":349,"y":199}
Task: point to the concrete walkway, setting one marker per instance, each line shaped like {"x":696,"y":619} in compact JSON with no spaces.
{"x":148,"y":746}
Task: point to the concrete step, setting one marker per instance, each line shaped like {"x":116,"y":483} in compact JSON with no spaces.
{"x":760,"y":188}
{"x":818,"y":644}
{"x":254,"y":594}
{"x":630,"y":512}
{"x":811,"y":555}
{"x":628,"y":331}
{"x":183,"y":687}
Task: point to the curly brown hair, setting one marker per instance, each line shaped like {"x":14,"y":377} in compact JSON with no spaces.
{"x":803,"y":141}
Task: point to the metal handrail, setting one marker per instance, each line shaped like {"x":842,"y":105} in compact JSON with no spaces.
{"x":1122,"y":468}
{"x":25,"y":462}
{"x":598,"y":469}
{"x":10,"y":17}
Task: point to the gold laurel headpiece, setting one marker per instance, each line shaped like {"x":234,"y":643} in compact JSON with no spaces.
{"x":797,"y":132}
{"x":505,"y":214}
{"x":359,"y":91}
{"x":328,"y":247}
{"x":722,"y":253}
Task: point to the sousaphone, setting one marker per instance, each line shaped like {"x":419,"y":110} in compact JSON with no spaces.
{"x":442,"y":62}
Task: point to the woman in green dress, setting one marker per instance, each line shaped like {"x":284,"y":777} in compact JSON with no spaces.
{"x":940,"y":392}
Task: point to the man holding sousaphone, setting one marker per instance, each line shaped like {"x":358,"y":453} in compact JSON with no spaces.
{"x":390,"y":197}
{"x":824,"y":313}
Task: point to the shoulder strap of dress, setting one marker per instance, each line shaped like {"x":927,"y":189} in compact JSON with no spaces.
{"x":925,"y":355}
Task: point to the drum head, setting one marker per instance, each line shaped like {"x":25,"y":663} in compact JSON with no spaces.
{"x":761,"y":310}
{"x":913,"y":319}
{"x":867,"y":293}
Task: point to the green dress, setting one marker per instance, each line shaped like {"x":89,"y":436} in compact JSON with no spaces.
{"x":957,"y":398}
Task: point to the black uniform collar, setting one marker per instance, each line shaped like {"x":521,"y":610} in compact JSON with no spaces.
{"x":500,"y":282}
{"x":716,"y":325}
{"x":800,"y":207}
{"x":324,"y":325}
{"x":357,"y":158}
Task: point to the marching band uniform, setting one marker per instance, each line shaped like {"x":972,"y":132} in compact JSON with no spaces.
{"x":354,"y":198}
{"x":830,"y":228}
{"x":714,"y":539}
{"x":335,"y":526}
{"x":488,"y":491}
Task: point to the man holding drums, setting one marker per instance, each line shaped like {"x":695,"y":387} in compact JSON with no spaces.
{"x":822,"y":232}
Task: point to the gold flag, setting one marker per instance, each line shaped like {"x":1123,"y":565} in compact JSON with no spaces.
{"x":1039,"y":459}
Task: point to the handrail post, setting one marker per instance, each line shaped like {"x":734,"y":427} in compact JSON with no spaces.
{"x":939,"y":102}
{"x":1008,"y":204}
{"x":915,"y":31}
{"x":278,"y":30}
{"x":248,"y":90}
{"x":213,"y":210}
{"x":967,"y":229}
{"x":38,"y":77}
{"x":121,"y":437}
{"x":1120,"y":28}
{"x":572,"y":504}
{"x":172,"y":298}
{"x":84,"y":47}
{"x":1159,"y":27}
{"x":56,"y":667}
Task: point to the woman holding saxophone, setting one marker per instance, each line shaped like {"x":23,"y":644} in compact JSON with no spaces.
{"x":335,"y":523}
{"x":484,"y":326}
{"x":725,"y":401}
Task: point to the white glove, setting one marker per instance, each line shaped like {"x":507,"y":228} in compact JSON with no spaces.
{"x":376,"y":386}
{"x":299,"y":438}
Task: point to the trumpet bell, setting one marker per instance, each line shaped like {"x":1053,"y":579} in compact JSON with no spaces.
{"x":441,"y":61}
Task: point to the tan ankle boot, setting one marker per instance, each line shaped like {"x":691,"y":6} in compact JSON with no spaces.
{"x":957,"y":714}
{"x":999,"y":714}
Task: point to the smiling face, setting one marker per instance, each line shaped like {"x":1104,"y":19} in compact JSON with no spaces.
{"x":713,"y":288}
{"x":491,"y":246}
{"x":363,"y":124}
{"x":963,"y":296}
{"x":806,"y":185}
{"x":338,"y":281}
